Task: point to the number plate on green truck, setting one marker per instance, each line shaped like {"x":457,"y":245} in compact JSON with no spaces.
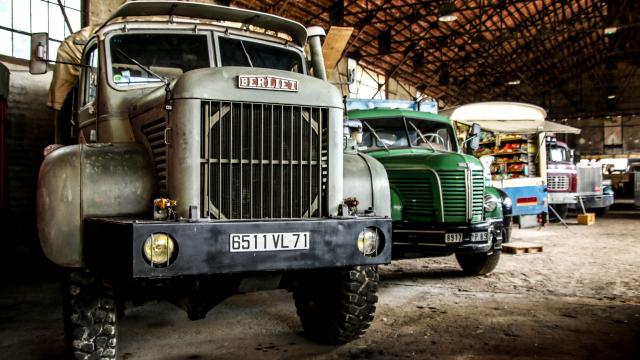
{"x":453,"y":237}
{"x":269,"y":242}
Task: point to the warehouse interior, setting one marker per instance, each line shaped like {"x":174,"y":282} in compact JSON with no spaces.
{"x":573,"y":294}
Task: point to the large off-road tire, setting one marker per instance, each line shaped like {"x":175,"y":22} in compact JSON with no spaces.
{"x":337,"y":306}
{"x":478,"y":264}
{"x":89,"y":317}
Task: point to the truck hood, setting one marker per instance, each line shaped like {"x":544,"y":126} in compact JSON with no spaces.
{"x":424,"y":159}
{"x":221,"y":83}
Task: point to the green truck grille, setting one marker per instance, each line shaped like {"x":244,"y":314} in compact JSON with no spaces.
{"x":417,"y":192}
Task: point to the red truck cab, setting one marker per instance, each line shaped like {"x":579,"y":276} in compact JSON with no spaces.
{"x":562,"y":178}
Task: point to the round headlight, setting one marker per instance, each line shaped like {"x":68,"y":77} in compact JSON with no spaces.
{"x":507,"y":201}
{"x":159,"y":249}
{"x":369,"y":241}
{"x":490,"y":203}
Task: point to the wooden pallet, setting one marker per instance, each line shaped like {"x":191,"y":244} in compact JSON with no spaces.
{"x":521,"y":247}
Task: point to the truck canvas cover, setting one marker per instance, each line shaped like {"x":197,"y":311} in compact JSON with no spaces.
{"x":65,"y":76}
{"x":507,"y":117}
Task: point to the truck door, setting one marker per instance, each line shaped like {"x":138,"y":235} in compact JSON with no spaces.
{"x":88,"y":95}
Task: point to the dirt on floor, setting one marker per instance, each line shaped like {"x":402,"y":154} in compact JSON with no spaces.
{"x":578,"y":299}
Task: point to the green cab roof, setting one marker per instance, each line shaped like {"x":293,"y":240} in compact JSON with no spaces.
{"x":372,"y":114}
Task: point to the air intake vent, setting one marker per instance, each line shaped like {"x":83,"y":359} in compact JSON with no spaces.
{"x":262,"y":160}
{"x":154,"y":132}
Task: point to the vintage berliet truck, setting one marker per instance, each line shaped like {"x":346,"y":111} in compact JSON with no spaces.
{"x":210,"y":162}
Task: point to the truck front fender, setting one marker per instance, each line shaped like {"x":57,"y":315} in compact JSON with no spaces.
{"x":366,"y":179}
{"x":91,"y":180}
{"x":497,"y":213}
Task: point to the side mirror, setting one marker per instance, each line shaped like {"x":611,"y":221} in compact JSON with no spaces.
{"x":354,"y":129}
{"x":572,"y":156}
{"x":38,"y":64}
{"x":473,"y":139}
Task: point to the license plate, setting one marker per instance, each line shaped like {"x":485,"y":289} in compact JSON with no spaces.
{"x":269,"y":242}
{"x":453,"y":238}
{"x":480,"y":236}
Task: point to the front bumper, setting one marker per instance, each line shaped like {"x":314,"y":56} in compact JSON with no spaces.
{"x":430,"y":240}
{"x":562,"y":198}
{"x":114,"y":246}
{"x":594,"y":202}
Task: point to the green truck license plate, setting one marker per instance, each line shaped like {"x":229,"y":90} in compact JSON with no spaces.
{"x":480,"y":236}
{"x":453,"y":238}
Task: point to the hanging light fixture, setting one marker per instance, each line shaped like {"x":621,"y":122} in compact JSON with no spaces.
{"x":447,"y":12}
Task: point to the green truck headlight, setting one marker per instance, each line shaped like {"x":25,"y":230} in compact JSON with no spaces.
{"x":159,"y":249}
{"x":490,"y":203}
{"x":369,"y":241}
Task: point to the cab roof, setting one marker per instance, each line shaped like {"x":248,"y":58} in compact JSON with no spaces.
{"x":211,"y":12}
{"x":372,"y":114}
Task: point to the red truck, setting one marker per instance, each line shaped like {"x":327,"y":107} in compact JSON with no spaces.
{"x":567,"y":183}
{"x":562,"y":177}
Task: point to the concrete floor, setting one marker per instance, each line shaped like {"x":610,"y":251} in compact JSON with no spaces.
{"x":579,"y":299}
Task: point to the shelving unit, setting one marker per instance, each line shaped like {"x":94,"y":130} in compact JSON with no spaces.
{"x":516,"y":155}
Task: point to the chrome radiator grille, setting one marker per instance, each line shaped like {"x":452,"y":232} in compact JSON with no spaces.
{"x":558,"y":183}
{"x":589,"y":178}
{"x":262,"y":160}
{"x":455,"y":187}
{"x":154,"y":132}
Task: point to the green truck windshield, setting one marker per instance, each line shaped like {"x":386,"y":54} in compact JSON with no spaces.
{"x":399,"y":132}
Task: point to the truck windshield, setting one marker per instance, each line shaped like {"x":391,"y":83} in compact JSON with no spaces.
{"x":558,"y":154}
{"x":167,"y":55}
{"x":240,"y":52}
{"x":404,"y":132}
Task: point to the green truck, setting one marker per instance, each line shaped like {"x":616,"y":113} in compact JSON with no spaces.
{"x":440,"y":204}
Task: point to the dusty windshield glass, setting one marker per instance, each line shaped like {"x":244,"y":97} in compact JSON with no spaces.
{"x":168,"y":55}
{"x":558,"y":154}
{"x":241,"y":52}
{"x":399,"y":133}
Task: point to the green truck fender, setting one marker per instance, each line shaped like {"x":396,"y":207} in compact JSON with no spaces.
{"x":396,"y":205}
{"x":492,"y":195}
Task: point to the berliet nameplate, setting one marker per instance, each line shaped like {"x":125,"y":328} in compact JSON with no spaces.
{"x":267,"y":82}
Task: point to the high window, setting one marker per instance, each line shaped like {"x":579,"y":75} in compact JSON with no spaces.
{"x":367,"y":84}
{"x":20,"y":18}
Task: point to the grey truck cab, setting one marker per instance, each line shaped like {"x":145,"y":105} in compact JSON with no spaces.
{"x":209,"y":162}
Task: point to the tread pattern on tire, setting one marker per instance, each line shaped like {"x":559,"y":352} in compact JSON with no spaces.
{"x":478,"y":264}
{"x":337,"y":306}
{"x":90,"y":318}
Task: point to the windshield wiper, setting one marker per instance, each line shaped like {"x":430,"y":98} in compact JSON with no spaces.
{"x":246,"y":53}
{"x":376,"y":135}
{"x":146,"y":69}
{"x":421,"y":136}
